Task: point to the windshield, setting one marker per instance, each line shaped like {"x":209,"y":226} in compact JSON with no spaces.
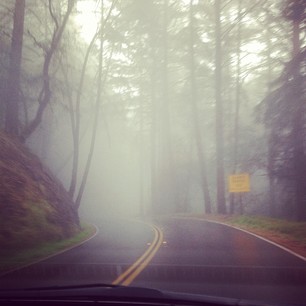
{"x":154,"y":143}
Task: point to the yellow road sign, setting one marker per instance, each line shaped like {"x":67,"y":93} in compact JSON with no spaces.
{"x":239,"y":182}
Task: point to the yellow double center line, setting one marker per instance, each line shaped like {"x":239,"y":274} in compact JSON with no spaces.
{"x":134,"y":270}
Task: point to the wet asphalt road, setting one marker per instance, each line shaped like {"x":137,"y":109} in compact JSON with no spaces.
{"x":208,"y":258}
{"x":196,"y":257}
{"x":117,"y":245}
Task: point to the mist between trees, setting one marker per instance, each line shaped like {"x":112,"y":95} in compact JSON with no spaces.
{"x":147,"y":106}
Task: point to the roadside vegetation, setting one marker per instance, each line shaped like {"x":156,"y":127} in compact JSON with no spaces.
{"x":37,"y":217}
{"x":197,"y":90}
{"x":13,"y":260}
{"x":155,"y":105}
{"x":289,"y":234}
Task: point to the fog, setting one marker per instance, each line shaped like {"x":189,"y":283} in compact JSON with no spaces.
{"x":170,"y":97}
{"x":120,"y":176}
{"x":114,"y":180}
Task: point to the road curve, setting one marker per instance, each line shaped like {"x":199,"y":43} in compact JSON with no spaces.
{"x":184,"y":255}
{"x":119,"y":245}
{"x":209,"y":258}
{"x":142,"y":262}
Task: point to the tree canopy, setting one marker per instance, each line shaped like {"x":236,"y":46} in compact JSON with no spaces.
{"x":201,"y":90}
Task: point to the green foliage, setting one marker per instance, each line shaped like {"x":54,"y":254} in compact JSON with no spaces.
{"x":16,"y":258}
{"x":295,"y":230}
{"x":136,"y":40}
{"x":285,"y":122}
{"x":294,"y":10}
{"x":34,"y":207}
{"x":30,"y":227}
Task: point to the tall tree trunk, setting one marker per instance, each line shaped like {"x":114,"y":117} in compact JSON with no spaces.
{"x":13,"y":90}
{"x":221,"y":208}
{"x":270,"y":136}
{"x":166,"y":174}
{"x":153,"y":130}
{"x":237,"y":105}
{"x":195,"y":119}
{"x":298,"y":131}
{"x":45,"y":93}
{"x":76,"y":118}
{"x":97,"y":113}
{"x":75,"y":121}
{"x":141,"y":160}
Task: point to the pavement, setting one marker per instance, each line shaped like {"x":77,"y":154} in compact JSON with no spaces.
{"x":203,"y":257}
{"x":178,"y":254}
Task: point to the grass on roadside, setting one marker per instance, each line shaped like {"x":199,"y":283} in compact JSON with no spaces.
{"x":296,"y":230}
{"x":28,"y":256}
{"x":290,"y":234}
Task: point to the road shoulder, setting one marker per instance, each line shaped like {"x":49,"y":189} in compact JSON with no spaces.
{"x":281,"y":240}
{"x":42,"y":252}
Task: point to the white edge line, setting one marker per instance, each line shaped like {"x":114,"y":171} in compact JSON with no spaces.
{"x":53,"y":255}
{"x":250,"y":233}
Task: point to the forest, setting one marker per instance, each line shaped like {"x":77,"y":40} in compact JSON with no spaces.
{"x":149,"y":106}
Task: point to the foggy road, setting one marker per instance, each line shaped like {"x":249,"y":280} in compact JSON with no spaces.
{"x":208,"y":258}
{"x":195,"y":256}
{"x":117,"y":245}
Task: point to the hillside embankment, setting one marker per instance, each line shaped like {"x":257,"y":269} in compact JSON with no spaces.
{"x":34,"y":206}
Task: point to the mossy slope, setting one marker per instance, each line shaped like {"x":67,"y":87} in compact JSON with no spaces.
{"x":34,"y":206}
